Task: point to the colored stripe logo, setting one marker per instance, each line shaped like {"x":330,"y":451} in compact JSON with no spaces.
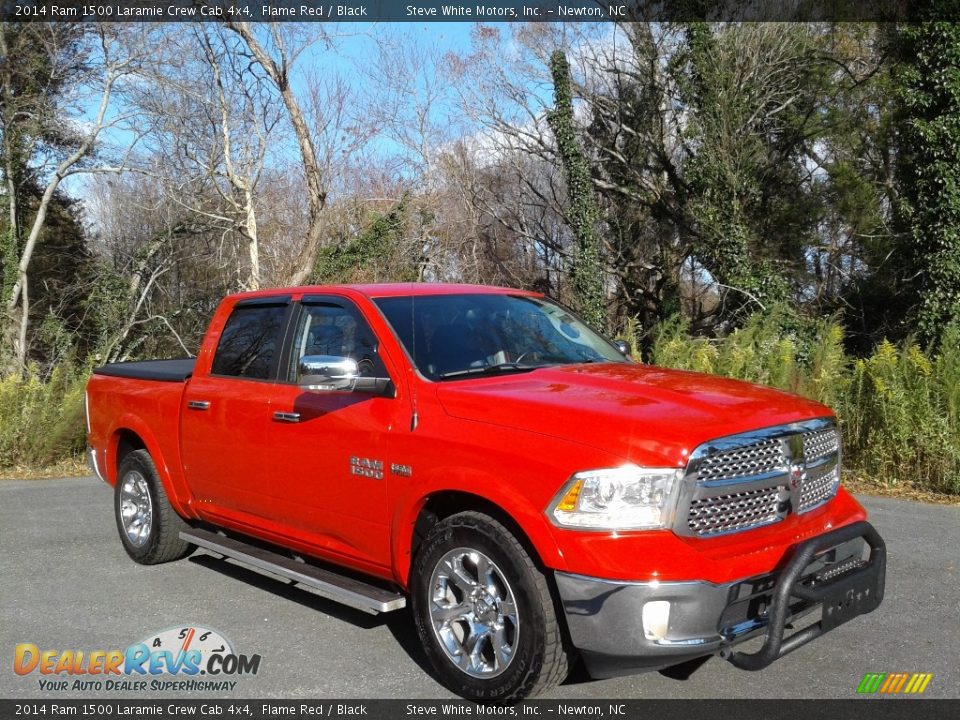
{"x":894,"y":683}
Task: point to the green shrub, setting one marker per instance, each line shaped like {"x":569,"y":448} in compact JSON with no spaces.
{"x":775,"y":349}
{"x":899,"y":409}
{"x":674,"y":348}
{"x":42,"y":421}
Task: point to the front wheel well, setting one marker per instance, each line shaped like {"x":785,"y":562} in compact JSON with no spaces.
{"x":442,"y":505}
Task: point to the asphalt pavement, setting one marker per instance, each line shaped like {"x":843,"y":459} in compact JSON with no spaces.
{"x":65,"y":583}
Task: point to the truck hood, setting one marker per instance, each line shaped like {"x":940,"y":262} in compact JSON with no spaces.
{"x":647,"y":415}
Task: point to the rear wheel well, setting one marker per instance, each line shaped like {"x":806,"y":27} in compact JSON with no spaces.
{"x":127,"y":442}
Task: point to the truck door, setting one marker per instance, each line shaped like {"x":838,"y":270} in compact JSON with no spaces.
{"x":226,"y":417}
{"x":332,"y":448}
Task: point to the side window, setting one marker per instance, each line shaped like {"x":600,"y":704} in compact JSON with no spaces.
{"x":338,"y":330}
{"x":249,"y":341}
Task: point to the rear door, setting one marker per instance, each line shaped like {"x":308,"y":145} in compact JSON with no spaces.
{"x":226,"y":418}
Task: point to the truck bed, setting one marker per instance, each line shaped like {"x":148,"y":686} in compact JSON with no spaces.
{"x":163,"y":370}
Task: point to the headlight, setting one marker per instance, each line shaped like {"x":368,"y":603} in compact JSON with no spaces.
{"x":624,"y":498}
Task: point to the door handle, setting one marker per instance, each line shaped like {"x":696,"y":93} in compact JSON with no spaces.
{"x":198,"y":404}
{"x":290,"y":417}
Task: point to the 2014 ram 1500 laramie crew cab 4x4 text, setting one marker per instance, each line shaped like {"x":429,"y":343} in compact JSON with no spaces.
{"x":481,"y":452}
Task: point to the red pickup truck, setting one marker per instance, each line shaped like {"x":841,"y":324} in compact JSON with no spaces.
{"x":480,"y":451}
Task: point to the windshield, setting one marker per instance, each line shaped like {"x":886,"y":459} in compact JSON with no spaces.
{"x":452,"y":336}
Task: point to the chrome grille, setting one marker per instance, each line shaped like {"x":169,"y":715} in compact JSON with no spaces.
{"x":820,"y":485}
{"x":820,"y":443}
{"x":756,"y":478}
{"x":754,"y":459}
{"x":735,"y":511}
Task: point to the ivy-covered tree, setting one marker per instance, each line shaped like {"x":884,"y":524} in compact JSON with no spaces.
{"x":756,"y":100}
{"x":370,"y":255}
{"x":586,"y":269}
{"x":38,"y":64}
{"x":928,"y":170}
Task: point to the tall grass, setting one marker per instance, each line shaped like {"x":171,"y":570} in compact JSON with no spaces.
{"x":42,"y":420}
{"x":899,"y":408}
{"x":902,"y":414}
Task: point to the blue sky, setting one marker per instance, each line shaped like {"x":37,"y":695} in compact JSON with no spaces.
{"x":448,"y":35}
{"x":356,"y":51}
{"x":356,"y":48}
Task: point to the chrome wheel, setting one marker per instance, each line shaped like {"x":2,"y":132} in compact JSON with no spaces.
{"x":474,"y":613}
{"x":136,"y":508}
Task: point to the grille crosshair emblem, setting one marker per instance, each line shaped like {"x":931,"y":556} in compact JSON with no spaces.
{"x":797,"y":472}
{"x":793,"y":452}
{"x":797,"y":476}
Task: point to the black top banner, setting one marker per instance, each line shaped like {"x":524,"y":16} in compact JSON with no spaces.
{"x":478,"y":11}
{"x":614,"y":709}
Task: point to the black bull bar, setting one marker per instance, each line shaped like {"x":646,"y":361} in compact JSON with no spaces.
{"x":852,"y":594}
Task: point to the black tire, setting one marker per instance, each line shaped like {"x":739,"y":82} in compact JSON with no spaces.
{"x":539,"y":658}
{"x":159,"y":540}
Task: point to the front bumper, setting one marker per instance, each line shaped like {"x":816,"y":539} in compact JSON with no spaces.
{"x":829,"y":571}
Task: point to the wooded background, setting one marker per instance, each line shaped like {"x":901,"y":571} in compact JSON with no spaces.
{"x":777,"y":202}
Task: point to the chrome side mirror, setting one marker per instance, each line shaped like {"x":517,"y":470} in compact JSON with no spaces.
{"x":624,"y":347}
{"x":325,"y":373}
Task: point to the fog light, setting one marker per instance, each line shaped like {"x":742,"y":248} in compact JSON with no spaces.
{"x":656,"y":619}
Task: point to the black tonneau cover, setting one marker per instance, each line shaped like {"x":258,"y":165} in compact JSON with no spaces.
{"x":163,"y":370}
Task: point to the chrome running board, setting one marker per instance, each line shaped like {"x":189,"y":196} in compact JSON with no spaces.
{"x":341,"y":588}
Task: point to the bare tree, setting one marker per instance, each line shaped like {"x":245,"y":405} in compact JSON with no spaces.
{"x":514,"y":185}
{"x":212,"y":120}
{"x":278,"y":65}
{"x":247,"y":116}
{"x":156,"y":263}
{"x":412,"y":102}
{"x":113,"y":59}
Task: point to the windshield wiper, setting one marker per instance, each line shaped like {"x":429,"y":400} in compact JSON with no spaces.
{"x":494,"y":369}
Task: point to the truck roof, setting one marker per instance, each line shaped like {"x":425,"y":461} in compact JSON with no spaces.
{"x":375,"y":290}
